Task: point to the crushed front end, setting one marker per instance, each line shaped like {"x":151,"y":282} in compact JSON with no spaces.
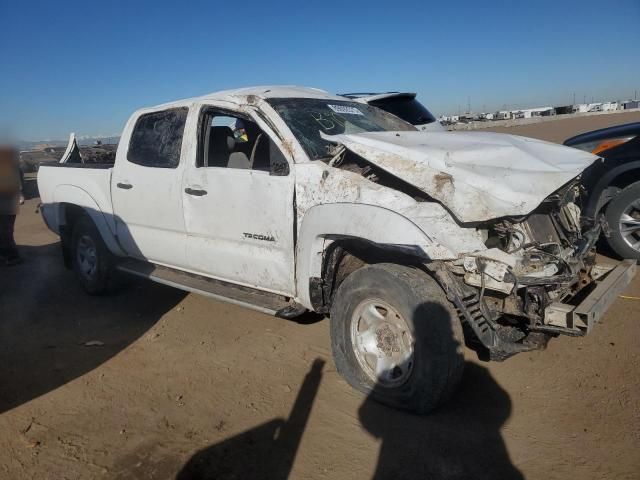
{"x":538,"y":278}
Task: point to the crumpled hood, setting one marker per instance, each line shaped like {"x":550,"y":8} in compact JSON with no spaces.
{"x":476,"y":175}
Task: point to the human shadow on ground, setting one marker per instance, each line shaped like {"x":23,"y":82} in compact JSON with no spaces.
{"x":459,"y":440}
{"x":52,"y":332}
{"x":264,"y":452}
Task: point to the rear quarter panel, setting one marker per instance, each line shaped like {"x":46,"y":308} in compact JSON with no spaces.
{"x":89,"y":188}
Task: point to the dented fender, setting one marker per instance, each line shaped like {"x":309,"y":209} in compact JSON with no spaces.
{"x":325,"y":223}
{"x":332,"y":203}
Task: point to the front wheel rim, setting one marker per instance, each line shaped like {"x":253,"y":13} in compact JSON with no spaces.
{"x":629,"y":225}
{"x":87,"y":257}
{"x":382,"y":343}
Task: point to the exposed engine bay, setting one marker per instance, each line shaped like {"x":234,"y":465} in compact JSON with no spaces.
{"x":536,"y":270}
{"x":534,"y":261}
{"x":546,"y":247}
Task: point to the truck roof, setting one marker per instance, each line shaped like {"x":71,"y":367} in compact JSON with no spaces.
{"x":240,"y":95}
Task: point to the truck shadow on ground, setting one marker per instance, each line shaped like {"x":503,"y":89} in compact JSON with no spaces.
{"x":52,"y":332}
{"x":460,"y":440}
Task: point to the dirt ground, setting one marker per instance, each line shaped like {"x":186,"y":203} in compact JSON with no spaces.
{"x":152,"y":383}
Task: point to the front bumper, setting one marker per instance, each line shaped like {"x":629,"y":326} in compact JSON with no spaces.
{"x":581,"y":318}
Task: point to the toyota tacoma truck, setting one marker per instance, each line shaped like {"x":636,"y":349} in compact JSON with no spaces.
{"x":290,"y":199}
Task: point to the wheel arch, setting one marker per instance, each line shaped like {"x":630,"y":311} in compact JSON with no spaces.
{"x":626,"y":178}
{"x":619,"y":177}
{"x":337,"y":239}
{"x":78,"y":202}
{"x":621,"y":215}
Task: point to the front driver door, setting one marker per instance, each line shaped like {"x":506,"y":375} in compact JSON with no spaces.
{"x":238,"y":204}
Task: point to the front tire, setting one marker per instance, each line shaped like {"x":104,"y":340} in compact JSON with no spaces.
{"x":396,"y":337}
{"x":623,"y":217}
{"x":91,"y":260}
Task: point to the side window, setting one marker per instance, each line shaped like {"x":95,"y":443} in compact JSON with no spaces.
{"x":156,"y":140}
{"x":230,"y":141}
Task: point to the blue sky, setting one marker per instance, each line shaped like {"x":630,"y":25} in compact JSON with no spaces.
{"x":86,"y":66}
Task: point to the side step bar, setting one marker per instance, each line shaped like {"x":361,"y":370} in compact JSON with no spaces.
{"x":265,"y":302}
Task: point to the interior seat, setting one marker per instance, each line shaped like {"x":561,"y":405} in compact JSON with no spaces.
{"x":225,"y":151}
{"x":241,"y":158}
{"x":221,"y":145}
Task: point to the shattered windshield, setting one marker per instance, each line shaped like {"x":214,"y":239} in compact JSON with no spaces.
{"x":307,"y":117}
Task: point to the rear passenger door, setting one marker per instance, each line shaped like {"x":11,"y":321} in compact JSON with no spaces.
{"x":238,"y":203}
{"x":146,"y":188}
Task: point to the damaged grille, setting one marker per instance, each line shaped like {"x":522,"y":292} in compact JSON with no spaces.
{"x":533,"y":261}
{"x":556,"y":222}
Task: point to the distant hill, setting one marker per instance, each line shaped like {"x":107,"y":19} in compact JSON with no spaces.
{"x":25,"y":145}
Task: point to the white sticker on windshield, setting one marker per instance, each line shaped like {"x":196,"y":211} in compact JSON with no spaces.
{"x":345,"y":109}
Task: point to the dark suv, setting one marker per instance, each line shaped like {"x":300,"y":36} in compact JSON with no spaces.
{"x":614,"y":184}
{"x":402,"y":105}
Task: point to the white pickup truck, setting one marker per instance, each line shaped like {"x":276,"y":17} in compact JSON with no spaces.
{"x":289,"y":199}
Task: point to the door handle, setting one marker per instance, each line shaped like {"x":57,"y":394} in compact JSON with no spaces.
{"x":125,"y":186}
{"x":195,"y":192}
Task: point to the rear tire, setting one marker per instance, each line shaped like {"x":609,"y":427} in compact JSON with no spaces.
{"x":623,"y":217}
{"x":396,"y":337}
{"x":91,"y":260}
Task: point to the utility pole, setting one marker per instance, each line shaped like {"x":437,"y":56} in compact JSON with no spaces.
{"x":584,"y":98}
{"x":468,"y":104}
{"x":574,"y":98}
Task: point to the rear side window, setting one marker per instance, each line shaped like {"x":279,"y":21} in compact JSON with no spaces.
{"x":156,"y":140}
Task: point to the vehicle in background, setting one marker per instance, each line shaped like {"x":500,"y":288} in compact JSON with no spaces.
{"x":614,"y":184}
{"x":290,"y":199}
{"x":403,"y":105}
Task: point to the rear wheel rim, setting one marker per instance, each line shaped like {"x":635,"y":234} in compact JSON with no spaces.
{"x":629,"y":225}
{"x":382,"y":343}
{"x":87,"y":257}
